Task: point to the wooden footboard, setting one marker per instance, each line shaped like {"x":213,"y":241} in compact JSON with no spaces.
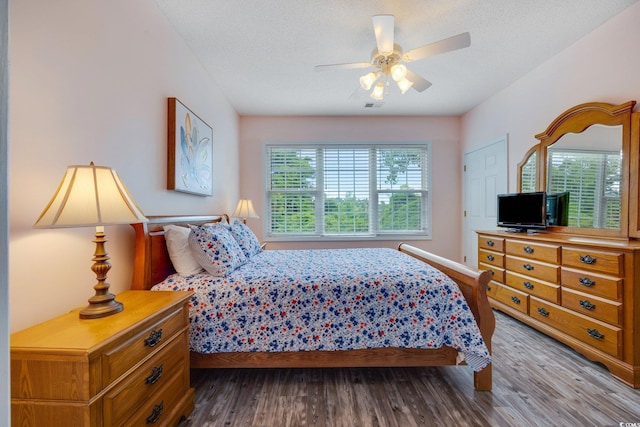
{"x":152,"y":264}
{"x":473,"y":284}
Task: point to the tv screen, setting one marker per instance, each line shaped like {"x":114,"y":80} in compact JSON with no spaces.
{"x":558,"y":208}
{"x":522,"y":211}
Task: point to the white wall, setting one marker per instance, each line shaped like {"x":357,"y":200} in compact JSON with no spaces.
{"x":442,"y":132}
{"x":4,"y":220}
{"x":89,"y":82}
{"x":602,"y":66}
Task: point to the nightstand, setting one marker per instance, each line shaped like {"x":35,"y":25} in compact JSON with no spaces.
{"x":129,"y":368}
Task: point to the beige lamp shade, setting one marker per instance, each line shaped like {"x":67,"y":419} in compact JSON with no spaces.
{"x":90,"y":196}
{"x":244,"y":210}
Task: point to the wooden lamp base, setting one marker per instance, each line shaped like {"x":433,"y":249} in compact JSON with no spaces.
{"x":103,"y":303}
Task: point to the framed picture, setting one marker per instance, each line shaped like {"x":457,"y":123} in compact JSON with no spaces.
{"x":190,"y":154}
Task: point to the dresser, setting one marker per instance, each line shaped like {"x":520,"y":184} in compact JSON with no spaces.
{"x":131,"y":368}
{"x":582,"y":291}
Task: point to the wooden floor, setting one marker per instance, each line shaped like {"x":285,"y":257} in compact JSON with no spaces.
{"x":536,"y":382}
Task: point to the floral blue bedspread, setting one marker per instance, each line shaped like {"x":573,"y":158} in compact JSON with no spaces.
{"x":332,"y":299}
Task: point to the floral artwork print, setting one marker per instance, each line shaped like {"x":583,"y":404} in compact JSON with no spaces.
{"x":333,"y":299}
{"x":191,"y":142}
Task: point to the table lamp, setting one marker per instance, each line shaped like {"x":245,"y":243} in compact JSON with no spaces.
{"x":244,"y":210}
{"x":91,"y":196}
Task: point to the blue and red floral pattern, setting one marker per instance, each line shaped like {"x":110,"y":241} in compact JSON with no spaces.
{"x":336,"y":299}
{"x":246,"y":238}
{"x":215,"y":249}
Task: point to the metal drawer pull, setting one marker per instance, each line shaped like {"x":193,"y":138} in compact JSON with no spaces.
{"x":528,"y":249}
{"x":588,"y":259}
{"x":515,"y":300}
{"x":587,"y":305}
{"x":585,"y":281}
{"x":156,"y":413}
{"x":595,"y":334}
{"x":490,"y":257}
{"x":528,"y":285}
{"x":490,"y":243}
{"x":154,"y":338}
{"x":488,"y":287}
{"x":491,"y":271}
{"x":154,"y":376}
{"x":543,"y":312}
{"x":528,"y":267}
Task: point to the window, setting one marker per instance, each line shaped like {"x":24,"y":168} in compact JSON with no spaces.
{"x":592,"y":179}
{"x":347,"y":191}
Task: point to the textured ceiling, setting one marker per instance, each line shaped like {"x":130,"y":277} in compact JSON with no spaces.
{"x":262,"y":53}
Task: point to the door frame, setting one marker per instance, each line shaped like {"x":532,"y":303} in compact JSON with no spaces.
{"x":469,"y":242}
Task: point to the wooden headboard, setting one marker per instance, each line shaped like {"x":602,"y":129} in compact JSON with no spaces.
{"x":151,"y":262}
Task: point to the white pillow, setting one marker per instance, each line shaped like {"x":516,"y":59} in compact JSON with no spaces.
{"x":177,"y":239}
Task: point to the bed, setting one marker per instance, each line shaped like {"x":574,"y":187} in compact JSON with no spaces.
{"x":153,"y":269}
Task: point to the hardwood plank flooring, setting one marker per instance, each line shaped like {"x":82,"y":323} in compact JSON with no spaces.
{"x":537,"y":381}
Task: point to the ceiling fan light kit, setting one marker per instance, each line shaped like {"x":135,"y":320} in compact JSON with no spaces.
{"x":387,"y":58}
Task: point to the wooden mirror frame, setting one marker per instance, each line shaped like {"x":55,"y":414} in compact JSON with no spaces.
{"x":577,"y":120}
{"x":533,"y":150}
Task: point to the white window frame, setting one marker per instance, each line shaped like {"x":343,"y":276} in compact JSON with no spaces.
{"x":426,"y":206}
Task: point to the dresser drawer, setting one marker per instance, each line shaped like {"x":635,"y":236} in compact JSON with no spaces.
{"x":490,"y":257}
{"x":120,"y":359}
{"x":587,"y":259}
{"x":544,"y":290}
{"x":135,"y":390}
{"x":534,"y":269}
{"x":589,"y":305}
{"x":594,"y":284}
{"x":160,"y":409}
{"x":512,"y":297}
{"x":597,"y":334}
{"x":492,"y":289}
{"x":497,"y":273}
{"x":536,"y":251}
{"x":491,"y":243}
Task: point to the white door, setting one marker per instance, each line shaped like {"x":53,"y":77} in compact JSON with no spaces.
{"x":485,"y":176}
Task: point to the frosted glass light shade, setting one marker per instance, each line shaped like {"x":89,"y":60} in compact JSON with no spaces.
{"x":398,"y":72}
{"x":378,"y":92}
{"x":367,"y":80}
{"x":404,"y":85}
{"x":90,"y":196}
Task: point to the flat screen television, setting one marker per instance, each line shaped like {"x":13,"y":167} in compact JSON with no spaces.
{"x":523,"y":211}
{"x":558,"y":208}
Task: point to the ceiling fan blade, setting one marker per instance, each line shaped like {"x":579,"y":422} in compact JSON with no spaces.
{"x":419,"y":83}
{"x":346,"y":66}
{"x":383,"y":27}
{"x":452,"y":43}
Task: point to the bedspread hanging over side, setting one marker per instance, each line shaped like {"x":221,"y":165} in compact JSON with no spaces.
{"x":333,"y":299}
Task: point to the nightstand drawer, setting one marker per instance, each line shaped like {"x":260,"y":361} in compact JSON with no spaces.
{"x":136,"y":389}
{"x":160,"y":410}
{"x":120,"y":359}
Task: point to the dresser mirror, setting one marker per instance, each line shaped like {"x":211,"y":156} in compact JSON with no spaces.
{"x":585,"y":152}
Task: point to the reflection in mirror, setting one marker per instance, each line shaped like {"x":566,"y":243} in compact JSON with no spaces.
{"x":588,"y":166}
{"x":528,"y":174}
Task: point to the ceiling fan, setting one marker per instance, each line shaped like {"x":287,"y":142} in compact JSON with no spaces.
{"x":387,"y":59}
